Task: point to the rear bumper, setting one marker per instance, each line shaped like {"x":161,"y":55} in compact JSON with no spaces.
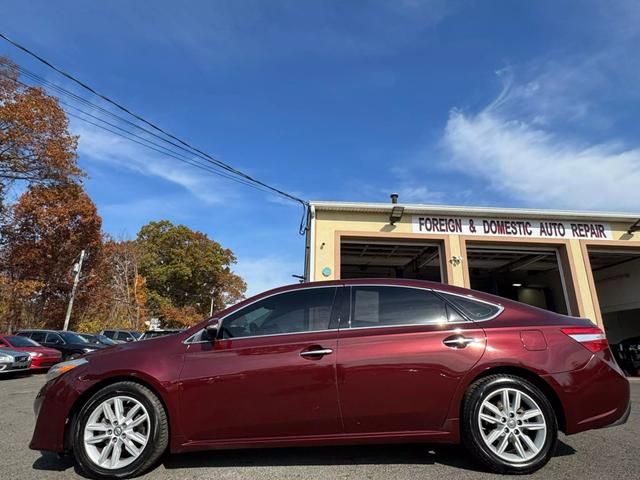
{"x":623,"y":419}
{"x":595,"y":396}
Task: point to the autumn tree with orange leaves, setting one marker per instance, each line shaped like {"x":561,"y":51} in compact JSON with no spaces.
{"x":168,"y":271}
{"x":35,"y":144}
{"x":49,"y":227}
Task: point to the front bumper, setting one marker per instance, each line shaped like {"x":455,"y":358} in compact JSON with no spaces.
{"x":52,"y":415}
{"x":15,"y":366}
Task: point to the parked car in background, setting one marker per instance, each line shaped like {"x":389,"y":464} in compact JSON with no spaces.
{"x":340,"y":362}
{"x":41,"y":357}
{"x":627,"y":354}
{"x":122,"y":336}
{"x":70,"y":344}
{"x":98,"y":339}
{"x":161,"y":332}
{"x":14,"y":361}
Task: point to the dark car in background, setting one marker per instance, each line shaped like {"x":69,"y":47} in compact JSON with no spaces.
{"x":340,"y":362}
{"x":160,"y":332}
{"x":98,"y":339}
{"x":70,"y":344}
{"x":41,"y":357}
{"x":627,"y":354}
{"x":121,"y":336}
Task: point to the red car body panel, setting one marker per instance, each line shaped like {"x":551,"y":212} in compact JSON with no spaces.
{"x":390,"y":384}
{"x":47,"y":359}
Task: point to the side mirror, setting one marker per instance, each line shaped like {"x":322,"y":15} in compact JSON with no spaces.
{"x":211,"y":332}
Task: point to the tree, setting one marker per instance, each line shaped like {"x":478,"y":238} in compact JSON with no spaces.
{"x":182,"y":268}
{"x":35,"y":144}
{"x":48,"y":227}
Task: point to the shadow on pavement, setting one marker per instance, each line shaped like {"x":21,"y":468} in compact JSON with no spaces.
{"x":415,"y":454}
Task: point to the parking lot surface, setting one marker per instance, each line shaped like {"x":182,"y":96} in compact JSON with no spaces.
{"x":607,"y":453}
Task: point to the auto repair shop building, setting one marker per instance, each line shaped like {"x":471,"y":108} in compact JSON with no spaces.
{"x":578,"y":263}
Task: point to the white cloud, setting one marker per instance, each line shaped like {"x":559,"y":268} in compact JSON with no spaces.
{"x":267,"y":272}
{"x":555,"y":135}
{"x":534,"y":165}
{"x":104,"y":147}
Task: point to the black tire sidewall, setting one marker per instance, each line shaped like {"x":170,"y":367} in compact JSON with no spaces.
{"x":471,"y":412}
{"x":131,"y":390}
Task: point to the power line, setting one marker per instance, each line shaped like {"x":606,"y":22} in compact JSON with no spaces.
{"x":154,"y":126}
{"x":145,"y":142}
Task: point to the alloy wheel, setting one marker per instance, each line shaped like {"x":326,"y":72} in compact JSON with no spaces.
{"x":117,"y":432}
{"x":512,"y":425}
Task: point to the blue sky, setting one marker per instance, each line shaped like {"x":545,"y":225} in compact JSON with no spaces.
{"x":523,"y":104}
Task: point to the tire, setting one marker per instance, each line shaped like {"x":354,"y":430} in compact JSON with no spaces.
{"x":488,"y":429}
{"x":88,"y":445}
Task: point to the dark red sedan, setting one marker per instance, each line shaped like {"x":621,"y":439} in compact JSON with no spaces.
{"x":41,"y":357}
{"x":345,"y":362}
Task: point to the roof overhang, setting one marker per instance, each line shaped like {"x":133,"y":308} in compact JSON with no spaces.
{"x":420,"y":209}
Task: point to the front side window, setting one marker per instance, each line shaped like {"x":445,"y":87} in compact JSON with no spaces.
{"x":290,"y":312}
{"x":109,"y":333}
{"x":124,"y":336}
{"x":377,"y":306}
{"x":54,"y":339}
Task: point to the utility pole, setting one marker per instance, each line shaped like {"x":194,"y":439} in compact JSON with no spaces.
{"x":77,"y":267}
{"x":213,"y":293}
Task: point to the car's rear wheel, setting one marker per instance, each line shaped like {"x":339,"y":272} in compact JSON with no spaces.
{"x":509,"y":424}
{"x":120,"y":432}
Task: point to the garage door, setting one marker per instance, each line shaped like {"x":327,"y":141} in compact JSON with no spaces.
{"x":531,"y":274}
{"x":362,"y":258}
{"x":616,"y":275}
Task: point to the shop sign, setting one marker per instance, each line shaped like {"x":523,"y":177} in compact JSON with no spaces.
{"x":509,"y":227}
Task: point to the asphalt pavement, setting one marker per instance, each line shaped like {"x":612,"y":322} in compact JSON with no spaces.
{"x":598,"y":454}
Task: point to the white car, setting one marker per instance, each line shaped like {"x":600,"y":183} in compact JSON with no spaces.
{"x":14,"y":361}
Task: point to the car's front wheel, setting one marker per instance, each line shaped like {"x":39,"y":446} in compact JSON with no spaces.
{"x":120,"y":432}
{"x":509,"y":424}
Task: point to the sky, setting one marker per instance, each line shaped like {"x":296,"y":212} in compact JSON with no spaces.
{"x":479,"y":103}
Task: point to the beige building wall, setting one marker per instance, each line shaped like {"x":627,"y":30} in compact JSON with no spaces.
{"x":329,"y":225}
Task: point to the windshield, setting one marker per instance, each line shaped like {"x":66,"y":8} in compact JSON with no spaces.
{"x":16,"y":341}
{"x":105,"y":340}
{"x":71,"y":337}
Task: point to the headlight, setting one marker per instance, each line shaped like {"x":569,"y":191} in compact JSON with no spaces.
{"x":4,"y":358}
{"x":35,"y":354}
{"x":64,"y":367}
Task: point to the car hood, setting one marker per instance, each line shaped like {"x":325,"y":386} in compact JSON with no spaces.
{"x":12,"y":353}
{"x":153,"y":346}
{"x":42,"y":350}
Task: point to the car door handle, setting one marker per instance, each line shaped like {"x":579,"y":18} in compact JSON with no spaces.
{"x":320,"y":352}
{"x":458,"y":341}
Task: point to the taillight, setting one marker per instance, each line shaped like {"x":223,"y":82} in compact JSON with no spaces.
{"x":591,"y":338}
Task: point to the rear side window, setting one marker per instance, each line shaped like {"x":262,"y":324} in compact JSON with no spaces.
{"x":38,"y":336}
{"x":473,"y":309}
{"x":109,"y":333}
{"x":388,"y":306}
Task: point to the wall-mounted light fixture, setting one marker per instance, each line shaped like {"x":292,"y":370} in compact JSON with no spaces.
{"x":397,"y":211}
{"x":396,"y":214}
{"x":516,"y":284}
